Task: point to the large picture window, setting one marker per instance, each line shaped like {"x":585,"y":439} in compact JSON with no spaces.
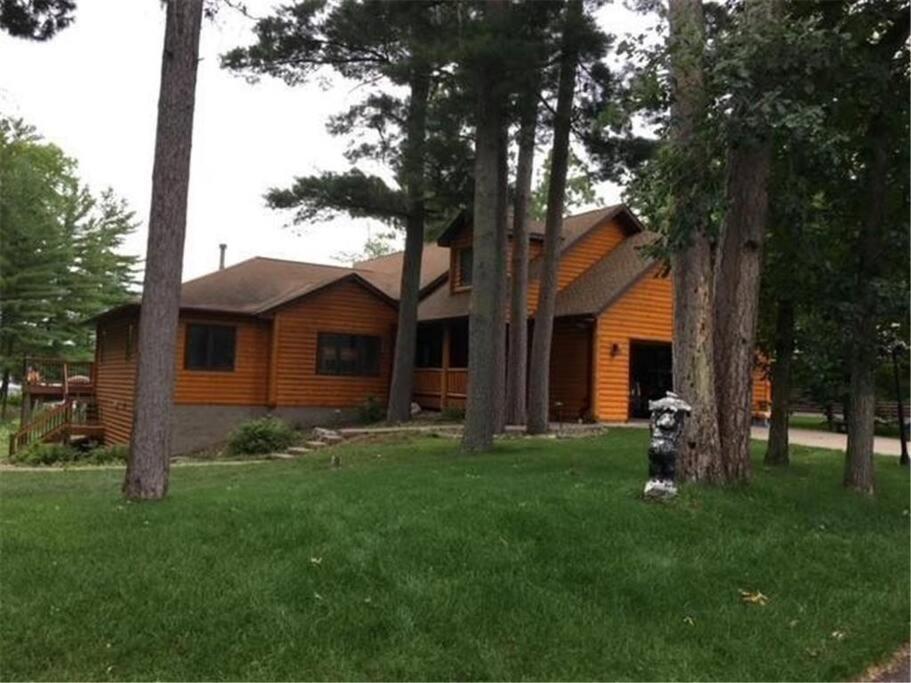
{"x":347,"y":354}
{"x":466,"y":257}
{"x":210,"y":347}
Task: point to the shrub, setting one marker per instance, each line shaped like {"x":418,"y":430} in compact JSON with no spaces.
{"x":265,"y":435}
{"x":106,"y":455}
{"x":64,"y":454}
{"x":453,"y":414}
{"x":371,"y":410}
{"x":46,"y":454}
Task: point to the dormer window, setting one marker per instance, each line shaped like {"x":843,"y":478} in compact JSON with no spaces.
{"x":466,"y":255}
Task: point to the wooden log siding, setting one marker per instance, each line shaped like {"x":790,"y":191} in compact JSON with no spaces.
{"x":247,"y":384}
{"x":580,"y":256}
{"x":644,"y":313}
{"x":115,"y":378}
{"x":570,"y":370}
{"x":346,"y":308}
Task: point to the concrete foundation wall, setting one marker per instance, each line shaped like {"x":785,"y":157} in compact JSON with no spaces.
{"x":195,"y":427}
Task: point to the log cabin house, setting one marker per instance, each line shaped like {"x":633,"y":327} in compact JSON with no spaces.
{"x":310,"y":343}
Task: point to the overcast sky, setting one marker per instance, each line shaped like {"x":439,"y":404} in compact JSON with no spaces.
{"x":93,"y":90}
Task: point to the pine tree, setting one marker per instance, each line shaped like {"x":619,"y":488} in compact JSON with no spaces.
{"x":150,"y":444}
{"x":60,"y":260}
{"x":539,"y":379}
{"x":379,"y":40}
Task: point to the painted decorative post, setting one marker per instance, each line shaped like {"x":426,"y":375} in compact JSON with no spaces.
{"x":666,"y":424}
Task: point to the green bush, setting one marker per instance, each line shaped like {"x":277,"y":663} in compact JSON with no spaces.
{"x":46,"y":454}
{"x":265,"y":435}
{"x":65,"y":454}
{"x":371,"y":410}
{"x":106,"y":455}
{"x":453,"y":414}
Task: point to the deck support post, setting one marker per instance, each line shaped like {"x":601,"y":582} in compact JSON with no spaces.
{"x":444,"y":378}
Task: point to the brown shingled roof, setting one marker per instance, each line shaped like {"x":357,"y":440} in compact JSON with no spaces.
{"x":591,"y":292}
{"x":434,"y":264}
{"x":259,"y":284}
{"x":601,"y":285}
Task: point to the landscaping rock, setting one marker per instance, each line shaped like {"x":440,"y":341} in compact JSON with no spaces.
{"x":323,"y":433}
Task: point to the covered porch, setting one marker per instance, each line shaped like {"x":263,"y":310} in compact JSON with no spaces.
{"x":441,"y":367}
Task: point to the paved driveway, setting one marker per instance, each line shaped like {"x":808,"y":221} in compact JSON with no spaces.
{"x":803,"y":437}
{"x":817,"y":439}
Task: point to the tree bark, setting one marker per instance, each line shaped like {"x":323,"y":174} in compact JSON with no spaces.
{"x":539,"y":379}
{"x":860,"y":420}
{"x":691,"y":264}
{"x":777,"y":452}
{"x":499,"y":402}
{"x":517,"y":365}
{"x":737,"y":277}
{"x":400,"y":388}
{"x":486,"y":296}
{"x":147,"y":470}
{"x":4,"y":395}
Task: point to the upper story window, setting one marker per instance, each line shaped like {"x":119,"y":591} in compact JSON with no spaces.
{"x":465,"y":256}
{"x":210,"y":347}
{"x":347,"y":354}
{"x":131,"y":341}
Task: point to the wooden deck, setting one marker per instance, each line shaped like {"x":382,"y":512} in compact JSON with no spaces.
{"x":58,"y":403}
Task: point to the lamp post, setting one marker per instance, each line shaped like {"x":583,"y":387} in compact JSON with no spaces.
{"x":899,"y":347}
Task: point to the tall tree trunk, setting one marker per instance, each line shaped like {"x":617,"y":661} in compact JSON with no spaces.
{"x":861,"y":416}
{"x":517,"y":365}
{"x":777,"y":452}
{"x":4,"y":395}
{"x":147,"y":470}
{"x":400,"y":388}
{"x":737,"y":277}
{"x":499,"y":402}
{"x":691,"y":264}
{"x":486,"y":297}
{"x":539,"y":379}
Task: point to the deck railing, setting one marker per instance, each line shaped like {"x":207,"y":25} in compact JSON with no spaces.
{"x":41,"y":426}
{"x":439,"y":387}
{"x":57,"y":373}
{"x":63,"y":419}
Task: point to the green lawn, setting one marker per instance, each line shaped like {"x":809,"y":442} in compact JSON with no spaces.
{"x":539,"y":561}
{"x":818,"y":423}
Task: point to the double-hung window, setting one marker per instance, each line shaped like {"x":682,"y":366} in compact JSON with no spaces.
{"x":347,"y":354}
{"x":210,"y":347}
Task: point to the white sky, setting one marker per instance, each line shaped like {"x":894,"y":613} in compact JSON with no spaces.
{"x":93,"y":90}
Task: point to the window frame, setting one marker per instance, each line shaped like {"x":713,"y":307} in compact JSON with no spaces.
{"x":321,"y":336}
{"x":129,"y":352}
{"x":209,"y":348}
{"x":460,"y":271}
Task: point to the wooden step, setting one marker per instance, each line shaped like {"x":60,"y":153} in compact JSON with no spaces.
{"x":315,"y":444}
{"x":298,"y":450}
{"x":332,"y":438}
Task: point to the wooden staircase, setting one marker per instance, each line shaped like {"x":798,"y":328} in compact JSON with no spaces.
{"x":72,"y":418}
{"x":66,"y":389}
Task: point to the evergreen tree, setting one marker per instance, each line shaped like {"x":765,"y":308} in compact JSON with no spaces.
{"x":402,"y":43}
{"x":539,"y":380}
{"x":36,"y":19}
{"x":60,"y":260}
{"x":150,"y":443}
